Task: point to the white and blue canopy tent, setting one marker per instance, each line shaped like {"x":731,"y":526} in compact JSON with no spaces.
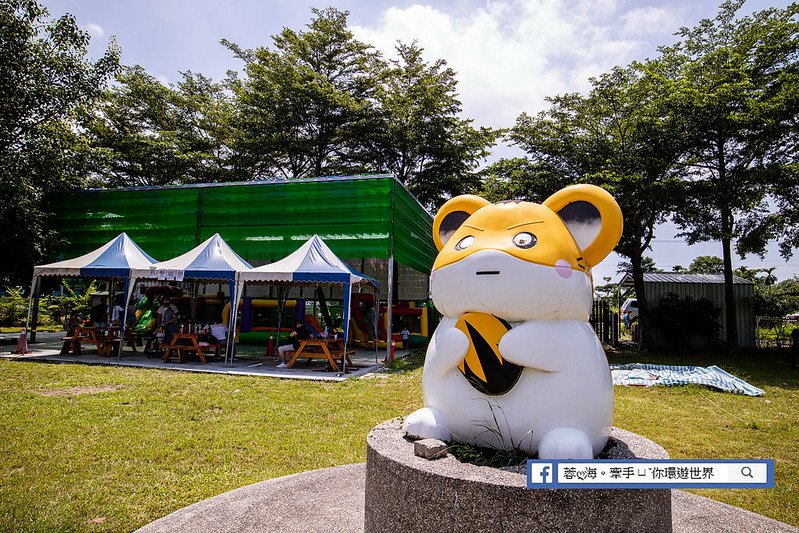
{"x":213,"y":260}
{"x":114,"y":261}
{"x":314,"y":263}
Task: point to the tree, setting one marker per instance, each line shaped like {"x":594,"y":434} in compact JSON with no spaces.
{"x":521,"y":178}
{"x":421,"y":139}
{"x":778,"y":299}
{"x":707,"y":264}
{"x":147,"y":133}
{"x":46,"y":79}
{"x":648,"y":265}
{"x":306,"y":104}
{"x":723,"y":84}
{"x":613,"y":137}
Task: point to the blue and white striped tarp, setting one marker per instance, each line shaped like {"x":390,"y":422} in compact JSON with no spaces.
{"x":712,"y":376}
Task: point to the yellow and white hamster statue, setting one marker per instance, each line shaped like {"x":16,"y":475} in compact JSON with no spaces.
{"x":514,"y":363}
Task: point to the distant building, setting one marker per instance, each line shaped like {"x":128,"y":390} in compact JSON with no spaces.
{"x":710,"y":286}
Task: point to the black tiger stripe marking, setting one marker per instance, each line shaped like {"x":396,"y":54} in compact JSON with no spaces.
{"x":501,"y":376}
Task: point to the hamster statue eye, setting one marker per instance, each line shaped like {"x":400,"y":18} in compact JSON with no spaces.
{"x":464,"y":242}
{"x":524,"y":240}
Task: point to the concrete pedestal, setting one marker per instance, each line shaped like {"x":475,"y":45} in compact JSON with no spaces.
{"x":408,"y":493}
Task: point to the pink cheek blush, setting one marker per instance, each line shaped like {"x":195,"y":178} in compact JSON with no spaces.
{"x":563,"y":268}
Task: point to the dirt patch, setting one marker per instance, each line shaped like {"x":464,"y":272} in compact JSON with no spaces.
{"x":78,"y":391}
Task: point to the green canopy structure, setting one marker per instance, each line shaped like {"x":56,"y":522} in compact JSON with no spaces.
{"x":359,"y":217}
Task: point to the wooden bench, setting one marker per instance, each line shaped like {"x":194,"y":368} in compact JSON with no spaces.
{"x":71,"y":345}
{"x":108,"y":346}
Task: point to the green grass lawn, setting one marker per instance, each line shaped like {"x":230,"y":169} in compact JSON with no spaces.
{"x":91,"y":448}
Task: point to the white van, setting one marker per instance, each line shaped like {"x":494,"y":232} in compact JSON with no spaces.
{"x":630,"y":305}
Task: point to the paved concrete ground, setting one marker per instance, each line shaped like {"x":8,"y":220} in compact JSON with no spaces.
{"x":332,"y":500}
{"x":250,"y":361}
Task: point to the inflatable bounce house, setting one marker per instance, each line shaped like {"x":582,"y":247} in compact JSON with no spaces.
{"x":259,"y":318}
{"x":413,"y":315}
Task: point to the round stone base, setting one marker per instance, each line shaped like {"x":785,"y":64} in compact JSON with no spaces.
{"x":407,"y":493}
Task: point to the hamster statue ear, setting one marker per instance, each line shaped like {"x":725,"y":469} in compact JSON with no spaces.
{"x":452,"y":215}
{"x":593,"y":218}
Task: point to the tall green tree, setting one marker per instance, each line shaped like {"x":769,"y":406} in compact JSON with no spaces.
{"x":46,"y":78}
{"x":707,"y":264}
{"x":648,"y":265}
{"x":144,"y":132}
{"x":723,"y":83}
{"x":421,"y":138}
{"x":305,"y":104}
{"x":612,"y":137}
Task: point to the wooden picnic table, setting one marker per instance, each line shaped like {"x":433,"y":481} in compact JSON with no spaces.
{"x":81,"y":335}
{"x":184,"y":342}
{"x":109,"y":341}
{"x":105,"y":338}
{"x":320,"y":349}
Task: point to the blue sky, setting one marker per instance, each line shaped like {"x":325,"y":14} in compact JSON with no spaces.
{"x":509,"y":54}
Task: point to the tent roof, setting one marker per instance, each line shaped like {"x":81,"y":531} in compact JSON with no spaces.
{"x":313,"y":262}
{"x":114,"y":259}
{"x":213,"y":259}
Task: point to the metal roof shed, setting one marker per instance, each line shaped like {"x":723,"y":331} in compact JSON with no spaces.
{"x":710,"y":286}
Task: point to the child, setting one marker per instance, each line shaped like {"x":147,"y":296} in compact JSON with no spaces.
{"x":405,"y":336}
{"x":156,"y":342}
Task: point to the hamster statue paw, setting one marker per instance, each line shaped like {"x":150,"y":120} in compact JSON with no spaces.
{"x":426,"y":423}
{"x":565,"y":443}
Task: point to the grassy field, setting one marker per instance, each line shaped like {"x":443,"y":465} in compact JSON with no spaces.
{"x":90,"y":448}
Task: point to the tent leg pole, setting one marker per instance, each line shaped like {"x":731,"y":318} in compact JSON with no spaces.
{"x":30,"y":303}
{"x":35,"y":310}
{"x":128,"y":287}
{"x":390,"y":299}
{"x":375,"y":318}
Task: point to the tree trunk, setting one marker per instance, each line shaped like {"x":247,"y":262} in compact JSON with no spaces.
{"x":636,"y":259}
{"x":729,"y":292}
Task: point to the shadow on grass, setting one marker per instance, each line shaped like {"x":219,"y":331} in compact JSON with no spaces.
{"x":761,"y":368}
{"x":408,"y":364}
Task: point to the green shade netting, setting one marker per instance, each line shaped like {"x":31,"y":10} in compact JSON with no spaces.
{"x":262,"y":221}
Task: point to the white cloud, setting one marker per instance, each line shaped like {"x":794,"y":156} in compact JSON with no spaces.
{"x":511,"y":54}
{"x":95,"y":30}
{"x":641,"y":21}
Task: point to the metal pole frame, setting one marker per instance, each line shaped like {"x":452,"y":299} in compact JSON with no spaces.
{"x":128,"y":288}
{"x":389,"y":307}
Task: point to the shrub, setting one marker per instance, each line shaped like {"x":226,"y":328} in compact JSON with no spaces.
{"x":684,"y":317}
{"x":13,"y":307}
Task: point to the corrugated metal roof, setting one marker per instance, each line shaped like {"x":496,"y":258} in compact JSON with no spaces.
{"x":671,"y":277}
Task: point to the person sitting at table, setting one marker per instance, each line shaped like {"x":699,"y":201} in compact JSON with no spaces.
{"x":214,"y":334}
{"x":116,"y":314}
{"x":300,"y":333}
{"x":155,"y":344}
{"x":99,"y":315}
{"x":73,"y":323}
{"x":169,"y":319}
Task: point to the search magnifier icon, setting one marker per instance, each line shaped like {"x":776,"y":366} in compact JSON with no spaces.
{"x":747,"y":472}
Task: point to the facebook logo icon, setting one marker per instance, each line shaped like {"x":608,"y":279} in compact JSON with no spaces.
{"x":540,"y":474}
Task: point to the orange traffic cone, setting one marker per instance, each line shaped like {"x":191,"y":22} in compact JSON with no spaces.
{"x":22,"y":343}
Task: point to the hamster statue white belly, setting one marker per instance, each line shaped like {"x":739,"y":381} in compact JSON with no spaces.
{"x":514,"y":363}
